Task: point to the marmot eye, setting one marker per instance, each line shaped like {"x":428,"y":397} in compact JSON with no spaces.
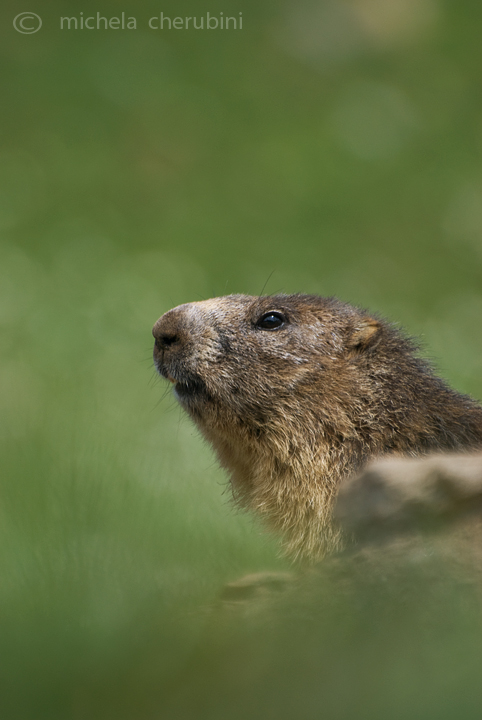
{"x":271,"y":321}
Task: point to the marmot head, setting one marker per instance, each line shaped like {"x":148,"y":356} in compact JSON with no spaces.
{"x":256,"y":361}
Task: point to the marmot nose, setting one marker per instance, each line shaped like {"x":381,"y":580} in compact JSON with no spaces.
{"x":165,"y":340}
{"x":167,"y":330}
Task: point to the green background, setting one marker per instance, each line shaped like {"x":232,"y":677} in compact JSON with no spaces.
{"x":330,"y":147}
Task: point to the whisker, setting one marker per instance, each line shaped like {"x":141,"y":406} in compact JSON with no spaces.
{"x":267,"y":281}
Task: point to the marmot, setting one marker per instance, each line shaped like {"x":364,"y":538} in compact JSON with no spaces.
{"x":298,"y":392}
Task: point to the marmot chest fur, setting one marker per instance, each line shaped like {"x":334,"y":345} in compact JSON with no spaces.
{"x":296,"y":393}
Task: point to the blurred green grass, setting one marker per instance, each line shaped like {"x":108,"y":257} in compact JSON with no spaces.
{"x":327,"y":147}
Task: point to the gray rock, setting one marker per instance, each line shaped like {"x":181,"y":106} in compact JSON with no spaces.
{"x":394,"y":495}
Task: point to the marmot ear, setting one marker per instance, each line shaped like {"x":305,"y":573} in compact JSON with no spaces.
{"x":366,"y":333}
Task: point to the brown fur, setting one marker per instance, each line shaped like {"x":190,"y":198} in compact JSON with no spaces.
{"x":293,"y":411}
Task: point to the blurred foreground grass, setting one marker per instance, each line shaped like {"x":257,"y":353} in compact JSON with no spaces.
{"x":336,"y":145}
{"x":116,"y":530}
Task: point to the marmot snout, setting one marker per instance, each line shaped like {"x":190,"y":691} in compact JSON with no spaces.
{"x":296,"y":393}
